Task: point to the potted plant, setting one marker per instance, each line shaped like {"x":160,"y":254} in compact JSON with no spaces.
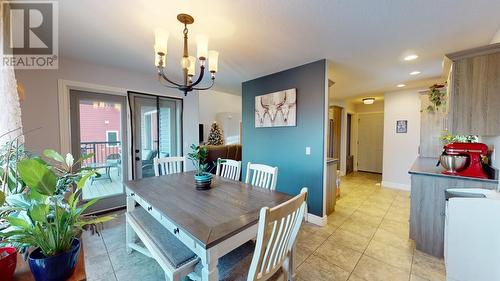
{"x":46,"y":220}
{"x":198,"y":157}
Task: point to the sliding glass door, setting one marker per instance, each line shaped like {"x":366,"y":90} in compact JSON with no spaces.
{"x":157,"y":130}
{"x":98,"y":127}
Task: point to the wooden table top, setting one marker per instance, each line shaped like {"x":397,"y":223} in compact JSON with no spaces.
{"x":209,"y":216}
{"x":23,"y":272}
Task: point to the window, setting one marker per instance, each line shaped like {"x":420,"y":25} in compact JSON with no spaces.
{"x":112,"y":138}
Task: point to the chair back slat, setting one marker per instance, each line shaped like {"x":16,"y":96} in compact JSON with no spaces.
{"x":169,"y":165}
{"x":278,"y":230}
{"x":262,"y":175}
{"x":228,"y":168}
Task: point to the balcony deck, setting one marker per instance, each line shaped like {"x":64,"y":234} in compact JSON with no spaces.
{"x":99,"y":188}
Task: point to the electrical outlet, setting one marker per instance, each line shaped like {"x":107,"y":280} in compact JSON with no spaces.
{"x":308,"y":150}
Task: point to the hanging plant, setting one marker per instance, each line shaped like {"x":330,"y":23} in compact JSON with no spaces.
{"x":437,"y":97}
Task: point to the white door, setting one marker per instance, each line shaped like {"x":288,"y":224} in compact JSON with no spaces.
{"x":370,"y":142}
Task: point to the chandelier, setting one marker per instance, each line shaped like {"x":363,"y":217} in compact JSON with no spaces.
{"x":188,"y":63}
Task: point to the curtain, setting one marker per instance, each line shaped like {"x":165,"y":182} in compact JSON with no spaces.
{"x":10,"y":110}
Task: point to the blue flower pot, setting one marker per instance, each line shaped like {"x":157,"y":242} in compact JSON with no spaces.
{"x":203,"y":181}
{"x":55,"y":268}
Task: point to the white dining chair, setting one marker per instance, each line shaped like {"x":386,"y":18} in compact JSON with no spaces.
{"x":269,"y":258}
{"x":228,"y":168}
{"x":169,"y":165}
{"x":262,"y":175}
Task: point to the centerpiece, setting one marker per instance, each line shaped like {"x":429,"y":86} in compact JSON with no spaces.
{"x":46,"y":220}
{"x":198,"y":157}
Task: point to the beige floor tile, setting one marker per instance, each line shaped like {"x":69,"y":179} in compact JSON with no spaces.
{"x":373,"y":270}
{"x":367,"y":218}
{"x":354,"y":277}
{"x":392,"y":239}
{"x":395,"y":227}
{"x":311,"y":238}
{"x":301,"y":254}
{"x":317,"y":269}
{"x":428,"y":267}
{"x":359,"y":228}
{"x":397,"y":257}
{"x":414,"y":277}
{"x":351,"y":240}
{"x":342,"y":256}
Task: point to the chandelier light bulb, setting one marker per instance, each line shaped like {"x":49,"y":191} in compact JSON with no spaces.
{"x":161,"y":41}
{"x":202,"y":44}
{"x":213,"y":61}
{"x":192,"y":66}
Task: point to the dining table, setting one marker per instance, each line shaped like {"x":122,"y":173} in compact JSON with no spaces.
{"x":212,"y":222}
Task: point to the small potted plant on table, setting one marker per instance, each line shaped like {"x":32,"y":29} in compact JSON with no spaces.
{"x":198,"y":157}
{"x":45,"y":221}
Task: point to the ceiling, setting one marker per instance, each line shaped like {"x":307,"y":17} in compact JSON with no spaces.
{"x":365,"y":41}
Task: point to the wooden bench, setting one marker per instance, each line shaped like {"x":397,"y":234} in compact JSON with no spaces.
{"x":172,"y":255}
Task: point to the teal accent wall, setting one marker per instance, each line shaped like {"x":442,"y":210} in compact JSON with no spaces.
{"x":285,"y":147}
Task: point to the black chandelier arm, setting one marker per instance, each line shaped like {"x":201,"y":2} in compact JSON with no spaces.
{"x":162,"y":75}
{"x":205,"y":88}
{"x":202,"y":73}
{"x":162,"y":82}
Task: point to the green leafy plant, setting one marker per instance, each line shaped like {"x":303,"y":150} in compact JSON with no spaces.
{"x":42,"y":216}
{"x":449,"y":138}
{"x":10,"y":154}
{"x":437,"y":97}
{"x":198,"y":157}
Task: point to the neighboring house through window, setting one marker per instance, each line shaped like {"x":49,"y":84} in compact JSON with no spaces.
{"x":112,"y":138}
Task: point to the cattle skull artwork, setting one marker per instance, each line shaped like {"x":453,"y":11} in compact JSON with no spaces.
{"x":277,"y":109}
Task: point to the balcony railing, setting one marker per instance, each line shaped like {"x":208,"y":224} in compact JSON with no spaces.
{"x":103,"y":151}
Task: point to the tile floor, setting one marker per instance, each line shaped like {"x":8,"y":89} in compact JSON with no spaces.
{"x":365,"y":239}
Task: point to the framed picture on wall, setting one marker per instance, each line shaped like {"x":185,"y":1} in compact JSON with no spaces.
{"x":401,"y":126}
{"x":278,"y":109}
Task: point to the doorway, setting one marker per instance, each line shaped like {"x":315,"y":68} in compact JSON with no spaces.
{"x":370,"y":142}
{"x":99,"y":127}
{"x":156,"y":130}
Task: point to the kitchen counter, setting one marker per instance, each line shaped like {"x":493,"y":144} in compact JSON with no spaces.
{"x":427,"y":166}
{"x":428,"y":202}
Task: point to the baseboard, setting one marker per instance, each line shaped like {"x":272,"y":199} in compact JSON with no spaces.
{"x":395,"y":185}
{"x":317,"y":220}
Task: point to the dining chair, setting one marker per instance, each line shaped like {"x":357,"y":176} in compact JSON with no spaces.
{"x":269,"y":258}
{"x":228,"y":168}
{"x":169,"y":165}
{"x":262,"y":175}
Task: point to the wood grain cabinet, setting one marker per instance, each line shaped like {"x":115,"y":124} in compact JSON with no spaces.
{"x":474,"y":91}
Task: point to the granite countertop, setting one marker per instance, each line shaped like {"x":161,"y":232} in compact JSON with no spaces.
{"x":331,"y":160}
{"x":427,"y":166}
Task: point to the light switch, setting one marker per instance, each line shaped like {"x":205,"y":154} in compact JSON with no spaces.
{"x":308,"y":150}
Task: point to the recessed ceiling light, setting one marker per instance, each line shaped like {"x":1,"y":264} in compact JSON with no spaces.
{"x":401,"y":85}
{"x":411,"y":57}
{"x":368,"y":100}
{"x":416,"y":72}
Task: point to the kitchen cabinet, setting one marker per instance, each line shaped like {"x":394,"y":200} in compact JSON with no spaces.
{"x":331,"y":185}
{"x":474,"y":91}
{"x":432,"y":125}
{"x":427,"y":203}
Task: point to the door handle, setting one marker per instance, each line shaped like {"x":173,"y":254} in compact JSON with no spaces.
{"x":137,"y":151}
{"x":137,"y":158}
{"x":176,"y":230}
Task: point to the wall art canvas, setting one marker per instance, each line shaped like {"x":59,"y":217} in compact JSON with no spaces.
{"x":277,"y":109}
{"x":401,"y":126}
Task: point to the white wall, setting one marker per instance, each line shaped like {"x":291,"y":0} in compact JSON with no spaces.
{"x":40,"y":108}
{"x":496,"y":38}
{"x":227,"y":106}
{"x":400,"y":150}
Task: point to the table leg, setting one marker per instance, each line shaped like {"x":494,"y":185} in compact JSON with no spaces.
{"x":209,"y":272}
{"x":130,"y":236}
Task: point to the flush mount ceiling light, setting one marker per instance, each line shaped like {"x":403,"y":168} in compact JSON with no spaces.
{"x":401,"y":85}
{"x":411,"y":57}
{"x":368,"y":100}
{"x":188,"y":63}
{"x":416,"y":72}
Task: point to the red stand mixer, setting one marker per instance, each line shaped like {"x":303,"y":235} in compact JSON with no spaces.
{"x":472,"y":166}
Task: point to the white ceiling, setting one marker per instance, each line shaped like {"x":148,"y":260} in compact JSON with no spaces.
{"x":364,"y":39}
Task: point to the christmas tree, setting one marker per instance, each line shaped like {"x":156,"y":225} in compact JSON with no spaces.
{"x":215,"y":137}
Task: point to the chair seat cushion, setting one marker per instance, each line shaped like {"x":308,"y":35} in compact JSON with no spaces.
{"x":235,"y":265}
{"x":172,"y":248}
